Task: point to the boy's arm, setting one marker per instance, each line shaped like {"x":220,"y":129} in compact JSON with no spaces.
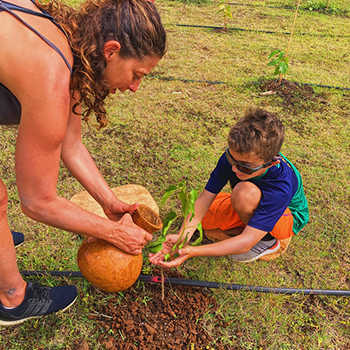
{"x":234,"y":245}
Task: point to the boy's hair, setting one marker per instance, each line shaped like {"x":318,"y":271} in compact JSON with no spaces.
{"x":259,"y":132}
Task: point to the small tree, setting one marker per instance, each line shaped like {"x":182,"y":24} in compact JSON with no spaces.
{"x":226,"y":10}
{"x":188,"y":200}
{"x":281,"y":62}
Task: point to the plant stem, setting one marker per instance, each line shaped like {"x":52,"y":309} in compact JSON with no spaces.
{"x":162,"y":276}
{"x":290,"y":38}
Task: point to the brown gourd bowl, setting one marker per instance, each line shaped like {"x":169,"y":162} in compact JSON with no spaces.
{"x":147,"y":219}
{"x":106,"y":266}
{"x":109,"y":268}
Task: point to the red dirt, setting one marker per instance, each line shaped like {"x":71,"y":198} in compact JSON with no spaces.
{"x":142,"y":320}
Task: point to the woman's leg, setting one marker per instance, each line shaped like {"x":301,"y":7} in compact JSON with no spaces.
{"x":12,"y":286}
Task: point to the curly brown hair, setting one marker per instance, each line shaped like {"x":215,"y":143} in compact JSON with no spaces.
{"x":135,"y":24}
{"x":259,"y":132}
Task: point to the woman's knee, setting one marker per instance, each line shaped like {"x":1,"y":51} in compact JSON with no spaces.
{"x":245,"y":196}
{"x":3,"y":199}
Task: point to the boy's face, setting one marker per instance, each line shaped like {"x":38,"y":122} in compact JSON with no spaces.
{"x":250,"y":160}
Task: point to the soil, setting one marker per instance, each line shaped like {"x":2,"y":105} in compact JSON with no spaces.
{"x":141,"y":320}
{"x":292,"y":93}
{"x":294,"y":96}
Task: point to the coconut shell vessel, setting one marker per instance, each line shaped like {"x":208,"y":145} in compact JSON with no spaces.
{"x":147,"y":219}
{"x":106,"y":266}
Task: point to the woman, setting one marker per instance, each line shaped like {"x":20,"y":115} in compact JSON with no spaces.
{"x":49,"y":68}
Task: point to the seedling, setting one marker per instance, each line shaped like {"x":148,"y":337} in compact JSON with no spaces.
{"x":187,"y":200}
{"x":280,"y":63}
{"x":226,"y":10}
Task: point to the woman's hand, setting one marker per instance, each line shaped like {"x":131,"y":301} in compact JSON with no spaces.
{"x":117,"y":209}
{"x":129,"y":237}
{"x":184,"y":253}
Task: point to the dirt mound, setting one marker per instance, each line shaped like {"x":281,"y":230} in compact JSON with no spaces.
{"x":140,"y":319}
{"x":293,"y":94}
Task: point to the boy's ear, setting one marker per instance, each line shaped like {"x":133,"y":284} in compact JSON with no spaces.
{"x":274,"y":162}
{"x":111,"y":48}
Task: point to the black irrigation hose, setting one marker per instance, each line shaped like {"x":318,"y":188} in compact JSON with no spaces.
{"x":205,"y":284}
{"x":259,"y":31}
{"x":284,"y":7}
{"x":224,"y":82}
{"x":322,"y":10}
{"x":268,"y":6}
{"x":186,"y":80}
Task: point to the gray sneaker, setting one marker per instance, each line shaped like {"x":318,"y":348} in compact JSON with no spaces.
{"x":260,"y":249}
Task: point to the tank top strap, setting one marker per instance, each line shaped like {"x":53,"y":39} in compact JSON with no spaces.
{"x":6,"y":7}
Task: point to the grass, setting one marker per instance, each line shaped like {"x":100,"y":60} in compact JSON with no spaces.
{"x":172,"y":130}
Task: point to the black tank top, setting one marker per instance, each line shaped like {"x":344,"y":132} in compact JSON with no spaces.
{"x":10,"y":107}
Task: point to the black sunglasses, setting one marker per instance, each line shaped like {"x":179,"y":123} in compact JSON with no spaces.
{"x":245,"y":168}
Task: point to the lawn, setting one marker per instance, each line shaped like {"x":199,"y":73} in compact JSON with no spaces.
{"x":175,"y":128}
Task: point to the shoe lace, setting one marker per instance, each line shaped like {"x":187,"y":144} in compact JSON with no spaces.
{"x":40,"y":293}
{"x":262,"y":246}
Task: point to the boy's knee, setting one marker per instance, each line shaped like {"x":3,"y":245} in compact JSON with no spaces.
{"x":245,"y":195}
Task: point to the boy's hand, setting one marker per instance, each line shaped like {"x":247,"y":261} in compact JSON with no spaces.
{"x":184,"y":253}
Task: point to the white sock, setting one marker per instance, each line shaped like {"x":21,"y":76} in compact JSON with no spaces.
{"x":8,"y":308}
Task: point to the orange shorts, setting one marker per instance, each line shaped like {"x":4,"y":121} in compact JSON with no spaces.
{"x":221,"y":215}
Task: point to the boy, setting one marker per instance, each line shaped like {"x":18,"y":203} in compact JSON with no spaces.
{"x":267,"y":197}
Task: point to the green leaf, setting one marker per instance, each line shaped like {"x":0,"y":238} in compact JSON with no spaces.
{"x":155,"y":248}
{"x":281,"y":55}
{"x":283,"y":67}
{"x":182,"y":186}
{"x":168,"y":193}
{"x":273,"y":62}
{"x":192,"y":197}
{"x":169,"y":219}
{"x":158,"y":241}
{"x":200,"y":238}
{"x":274,"y":53}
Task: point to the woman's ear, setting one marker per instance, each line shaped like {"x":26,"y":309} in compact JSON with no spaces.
{"x":111,"y":48}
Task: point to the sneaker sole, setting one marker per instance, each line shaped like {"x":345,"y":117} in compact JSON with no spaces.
{"x":272,"y":250}
{"x":15,"y":322}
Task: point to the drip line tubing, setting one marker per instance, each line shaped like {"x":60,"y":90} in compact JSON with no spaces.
{"x":282,"y":7}
{"x":224,"y":82}
{"x":186,"y":80}
{"x":268,"y":6}
{"x":259,"y":30}
{"x":206,"y":284}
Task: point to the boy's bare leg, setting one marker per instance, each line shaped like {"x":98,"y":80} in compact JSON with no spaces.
{"x":12,"y":286}
{"x":245,"y":198}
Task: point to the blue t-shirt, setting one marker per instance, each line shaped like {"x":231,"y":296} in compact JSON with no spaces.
{"x":280,"y":186}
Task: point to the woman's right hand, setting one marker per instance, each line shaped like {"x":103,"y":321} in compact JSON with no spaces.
{"x":129,"y":237}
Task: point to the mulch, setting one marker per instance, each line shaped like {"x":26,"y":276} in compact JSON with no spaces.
{"x":140,"y":319}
